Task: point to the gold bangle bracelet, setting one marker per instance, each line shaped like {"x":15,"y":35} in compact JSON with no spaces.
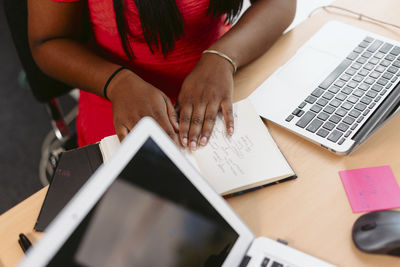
{"x":224,"y":56}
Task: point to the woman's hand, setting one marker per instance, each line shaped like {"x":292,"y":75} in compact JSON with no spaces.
{"x":205,"y":91}
{"x":132,"y":101}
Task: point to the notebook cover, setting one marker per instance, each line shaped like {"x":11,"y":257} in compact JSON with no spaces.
{"x":259,"y":187}
{"x":73,"y":170}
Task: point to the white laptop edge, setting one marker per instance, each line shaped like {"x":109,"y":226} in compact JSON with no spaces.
{"x":76,"y":210}
{"x":266,"y":97}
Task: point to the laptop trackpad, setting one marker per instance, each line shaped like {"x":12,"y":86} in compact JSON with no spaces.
{"x":307,"y":69}
{"x":292,"y":83}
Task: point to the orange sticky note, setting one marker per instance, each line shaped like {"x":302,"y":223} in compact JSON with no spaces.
{"x":371,"y":189}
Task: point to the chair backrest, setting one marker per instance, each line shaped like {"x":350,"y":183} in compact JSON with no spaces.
{"x":43,"y":87}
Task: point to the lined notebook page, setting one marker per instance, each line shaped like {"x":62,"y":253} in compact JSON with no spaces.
{"x":247,"y":159}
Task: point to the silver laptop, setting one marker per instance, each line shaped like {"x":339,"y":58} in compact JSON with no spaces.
{"x":337,"y":89}
{"x":148,"y":206}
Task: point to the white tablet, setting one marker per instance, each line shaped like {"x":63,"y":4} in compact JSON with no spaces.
{"x":148,"y":206}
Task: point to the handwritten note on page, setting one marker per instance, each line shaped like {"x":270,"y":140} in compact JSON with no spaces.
{"x":371,"y":189}
{"x":247,"y":159}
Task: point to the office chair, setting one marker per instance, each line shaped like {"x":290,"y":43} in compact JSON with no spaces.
{"x":45,"y":90}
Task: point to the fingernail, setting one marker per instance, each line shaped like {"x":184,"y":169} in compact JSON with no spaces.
{"x":176,"y":124}
{"x":193,"y":145}
{"x":203,"y":141}
{"x":230,"y":130}
{"x":185,"y":141}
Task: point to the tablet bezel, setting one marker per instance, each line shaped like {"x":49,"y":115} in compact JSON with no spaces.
{"x":75,"y":211}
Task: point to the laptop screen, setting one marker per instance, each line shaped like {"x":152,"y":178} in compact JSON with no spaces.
{"x":151,"y":215}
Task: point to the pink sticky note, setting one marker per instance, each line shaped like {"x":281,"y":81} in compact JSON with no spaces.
{"x":371,"y":189}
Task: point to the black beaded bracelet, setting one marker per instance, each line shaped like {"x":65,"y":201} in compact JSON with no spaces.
{"x":109,"y":80}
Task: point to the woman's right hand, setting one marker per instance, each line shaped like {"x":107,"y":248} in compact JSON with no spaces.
{"x":133,"y":100}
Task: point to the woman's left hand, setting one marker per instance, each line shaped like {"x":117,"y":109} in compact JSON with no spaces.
{"x":205,"y":91}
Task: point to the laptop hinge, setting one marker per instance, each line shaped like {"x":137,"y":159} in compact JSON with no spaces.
{"x":387,"y":108}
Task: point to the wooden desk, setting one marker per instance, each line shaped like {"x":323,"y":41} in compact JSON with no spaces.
{"x":312,"y":212}
{"x":19,"y":219}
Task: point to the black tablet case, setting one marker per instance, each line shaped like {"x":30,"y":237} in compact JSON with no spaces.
{"x":73,"y":170}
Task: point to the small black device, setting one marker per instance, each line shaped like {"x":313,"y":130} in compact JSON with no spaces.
{"x":24,"y":242}
{"x":378,"y":232}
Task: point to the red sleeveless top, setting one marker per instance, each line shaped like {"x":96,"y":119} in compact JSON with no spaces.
{"x":167,"y":74}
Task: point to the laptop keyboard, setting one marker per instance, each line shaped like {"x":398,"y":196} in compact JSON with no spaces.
{"x":266,"y":262}
{"x":271,"y":263}
{"x":350,"y":93}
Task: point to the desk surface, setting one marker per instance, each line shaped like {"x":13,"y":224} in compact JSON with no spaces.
{"x":312,"y":212}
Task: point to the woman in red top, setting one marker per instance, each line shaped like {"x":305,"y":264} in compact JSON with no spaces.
{"x":161,"y":43}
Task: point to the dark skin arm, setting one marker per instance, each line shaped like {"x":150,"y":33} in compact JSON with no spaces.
{"x":209,"y":87}
{"x":54,"y":35}
{"x":54,"y":31}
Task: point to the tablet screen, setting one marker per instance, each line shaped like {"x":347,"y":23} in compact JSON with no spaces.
{"x":151,"y":215}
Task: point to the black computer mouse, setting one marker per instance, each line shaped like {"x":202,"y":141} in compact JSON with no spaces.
{"x":378,"y":232}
